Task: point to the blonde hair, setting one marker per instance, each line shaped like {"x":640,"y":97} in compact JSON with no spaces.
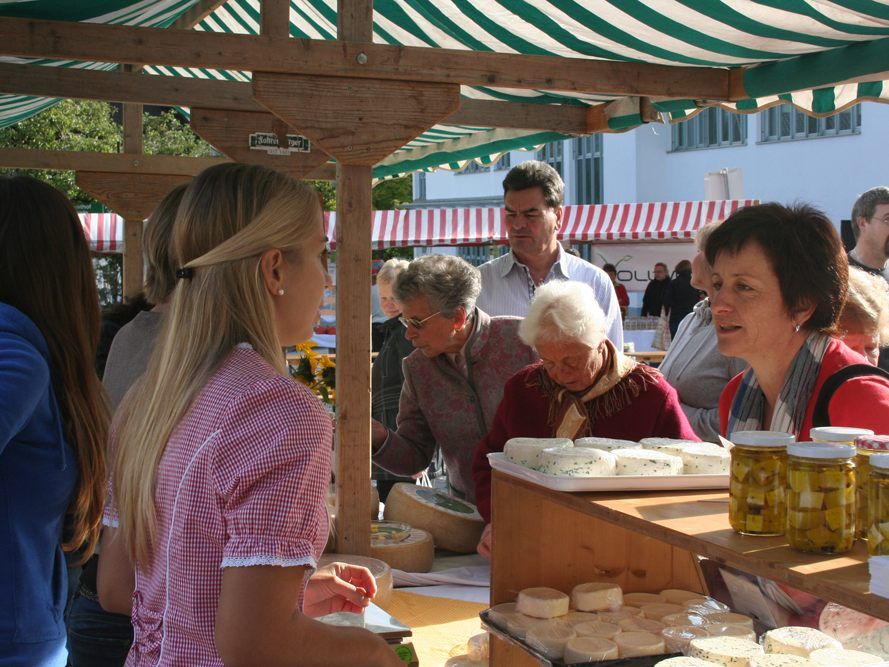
{"x":230,"y":214}
{"x":867,"y":306}
{"x":157,"y":244}
{"x":564,"y":310}
{"x":390,"y":270}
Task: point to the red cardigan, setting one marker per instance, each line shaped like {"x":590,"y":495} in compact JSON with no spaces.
{"x":524,"y":411}
{"x":861,"y":402}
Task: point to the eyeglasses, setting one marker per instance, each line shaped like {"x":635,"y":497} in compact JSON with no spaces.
{"x":414,"y":322}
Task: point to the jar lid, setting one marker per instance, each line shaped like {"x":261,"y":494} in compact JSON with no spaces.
{"x":880,"y":461}
{"x":837,"y":433}
{"x":875,"y":442}
{"x":762,"y":438}
{"x":821,"y":450}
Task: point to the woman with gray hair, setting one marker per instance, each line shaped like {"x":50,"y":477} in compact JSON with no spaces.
{"x":454,"y":379}
{"x":582,"y":386}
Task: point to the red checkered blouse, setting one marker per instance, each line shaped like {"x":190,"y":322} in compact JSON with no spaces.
{"x":242,"y":482}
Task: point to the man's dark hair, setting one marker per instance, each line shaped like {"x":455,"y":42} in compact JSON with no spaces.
{"x":534,"y":173}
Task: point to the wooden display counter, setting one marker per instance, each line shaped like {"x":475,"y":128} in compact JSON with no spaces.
{"x":645,"y":542}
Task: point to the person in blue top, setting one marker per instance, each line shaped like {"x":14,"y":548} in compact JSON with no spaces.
{"x":53,"y":417}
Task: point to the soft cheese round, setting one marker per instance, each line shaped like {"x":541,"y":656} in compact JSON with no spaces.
{"x":574,"y":617}
{"x":797,"y":640}
{"x":834,"y":657}
{"x":577,"y":462}
{"x":731,"y":618}
{"x":730,"y":630}
{"x":518,"y":624}
{"x":657,"y":610}
{"x":608,"y":444}
{"x":705,"y":459}
{"x":727,"y":651}
{"x":620,"y":614}
{"x":677,"y":638}
{"x":683,"y":618}
{"x":633,"y":644}
{"x":499,"y":614}
{"x":542,"y":602}
{"x":639,"y":599}
{"x":668,"y":445}
{"x":589,"y":649}
{"x":641,"y":624}
{"x":597,"y":629}
{"x":596,"y":596}
{"x":685,"y":661}
{"x":550,"y":637}
{"x":680,"y":596}
{"x":646,"y":462}
{"x":779,"y":660}
{"x":526,"y":451}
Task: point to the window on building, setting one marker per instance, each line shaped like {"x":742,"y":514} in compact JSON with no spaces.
{"x":473,"y":167}
{"x":712,"y":128}
{"x":551,"y":153}
{"x":785,"y":123}
{"x":587,"y":169}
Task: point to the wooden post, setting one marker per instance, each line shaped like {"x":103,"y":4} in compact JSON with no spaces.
{"x":133,"y":275}
{"x":275,"y":17}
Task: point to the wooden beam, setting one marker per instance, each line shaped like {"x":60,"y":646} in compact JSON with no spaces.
{"x":23,"y":158}
{"x":516,"y":115}
{"x":157,"y":46}
{"x":231,"y":131}
{"x":132,"y":196}
{"x":197,"y":13}
{"x":133,"y":269}
{"x":275,"y":17}
{"x":357,"y":121}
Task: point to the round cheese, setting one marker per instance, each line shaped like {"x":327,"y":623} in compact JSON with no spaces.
{"x":727,"y":651}
{"x":640,"y":624}
{"x":646,"y":462}
{"x":596,"y":596}
{"x":634,"y":644}
{"x":731,"y":618}
{"x":550,"y":637}
{"x":454,"y":524}
{"x":542,"y":602}
{"x":526,"y":451}
{"x":705,"y":459}
{"x":577,"y":462}
{"x":606,"y":444}
{"x":730,"y":630}
{"x":683,"y":618}
{"x":779,"y":660}
{"x":842,"y":658}
{"x":639,"y":599}
{"x":667,"y":445}
{"x":677,"y":639}
{"x":518,"y":624}
{"x":379,"y":569}
{"x":596,"y":629}
{"x":388,"y":532}
{"x":589,"y":649}
{"x":685,"y":661}
{"x":657,"y":610}
{"x":575,"y":617}
{"x":413,"y":554}
{"x":499,"y":614}
{"x":477,"y":647}
{"x":620,"y":614}
{"x":797,"y":640}
{"x":709,"y":606}
{"x":679,"y":596}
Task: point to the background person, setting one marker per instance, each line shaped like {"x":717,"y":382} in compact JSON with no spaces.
{"x":779,"y":282}
{"x":220,"y":461}
{"x":454,"y":380}
{"x":53,"y":416}
{"x":680,"y":296}
{"x":864,"y":321}
{"x":694,"y":366}
{"x":870,"y":227}
{"x":582,"y":386}
{"x":652,"y":300}
{"x":623,"y":299}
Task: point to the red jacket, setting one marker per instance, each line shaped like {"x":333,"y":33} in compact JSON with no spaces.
{"x":524,"y":410}
{"x":861,"y":402}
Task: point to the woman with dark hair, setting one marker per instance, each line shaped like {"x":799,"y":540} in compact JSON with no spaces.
{"x":53,"y":416}
{"x":779,"y":282}
{"x":680,"y":296}
{"x":623,"y":299}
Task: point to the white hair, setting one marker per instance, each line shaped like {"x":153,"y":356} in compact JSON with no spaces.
{"x":390,"y":269}
{"x":564,"y":309}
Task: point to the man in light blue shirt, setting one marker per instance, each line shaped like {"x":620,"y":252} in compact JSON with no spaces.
{"x":532,"y":198}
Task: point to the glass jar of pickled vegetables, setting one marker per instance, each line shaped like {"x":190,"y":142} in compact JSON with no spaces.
{"x":866,"y":445}
{"x":878,"y":506}
{"x":820,"y":497}
{"x":838,"y":435}
{"x":758,"y":479}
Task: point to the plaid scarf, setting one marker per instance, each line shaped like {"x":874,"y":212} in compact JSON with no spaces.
{"x":747,"y":408}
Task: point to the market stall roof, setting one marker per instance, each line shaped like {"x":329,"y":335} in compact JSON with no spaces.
{"x":653,"y":221}
{"x":789,"y":51}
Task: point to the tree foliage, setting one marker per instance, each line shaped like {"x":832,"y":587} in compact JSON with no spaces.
{"x":168,"y":133}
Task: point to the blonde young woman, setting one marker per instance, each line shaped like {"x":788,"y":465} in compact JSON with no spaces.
{"x":220,"y":461}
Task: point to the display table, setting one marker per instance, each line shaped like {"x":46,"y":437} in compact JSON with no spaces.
{"x":645,"y":542}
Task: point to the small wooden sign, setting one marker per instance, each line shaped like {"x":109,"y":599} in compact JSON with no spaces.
{"x":270,"y":143}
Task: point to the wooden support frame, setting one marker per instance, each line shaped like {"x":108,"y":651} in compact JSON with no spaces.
{"x":132,"y":196}
{"x":119,"y":163}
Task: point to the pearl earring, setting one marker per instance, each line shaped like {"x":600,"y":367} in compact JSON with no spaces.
{"x":281,"y":293}
{"x":796,"y":328}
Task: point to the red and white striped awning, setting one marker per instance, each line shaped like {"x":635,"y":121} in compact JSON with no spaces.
{"x":651,"y":221}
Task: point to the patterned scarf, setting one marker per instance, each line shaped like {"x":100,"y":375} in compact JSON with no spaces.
{"x":573,"y":416}
{"x":747,"y":409}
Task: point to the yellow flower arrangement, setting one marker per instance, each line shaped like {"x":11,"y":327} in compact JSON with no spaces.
{"x":316,"y":371}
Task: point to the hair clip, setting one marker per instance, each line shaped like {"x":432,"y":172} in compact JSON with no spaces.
{"x":184,"y":272}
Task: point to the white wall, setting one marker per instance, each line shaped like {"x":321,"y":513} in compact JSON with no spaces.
{"x":619,"y":156}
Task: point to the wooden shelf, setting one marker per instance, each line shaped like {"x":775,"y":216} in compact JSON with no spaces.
{"x":644,"y":542}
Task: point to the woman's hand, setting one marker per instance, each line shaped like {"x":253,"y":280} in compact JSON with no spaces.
{"x":484,"y":543}
{"x":339,"y":587}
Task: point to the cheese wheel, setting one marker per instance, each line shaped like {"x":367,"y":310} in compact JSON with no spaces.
{"x":606,"y":444}
{"x":683,"y":618}
{"x":834,"y":657}
{"x":619,"y":615}
{"x":499,"y":614}
{"x":378,"y":568}
{"x":477,"y":647}
{"x":679,"y":596}
{"x":709,"y":606}
{"x":685,"y":661}
{"x":454,"y":524}
{"x":730,"y":630}
{"x":577,"y":462}
{"x":526,"y":451}
{"x":414,"y":554}
{"x":550,"y":637}
{"x":640,"y":624}
{"x":730,"y":618}
{"x":646,"y":462}
{"x":575,"y":617}
{"x":639,"y":599}
{"x":727,"y":651}
{"x":668,"y":445}
{"x":596,"y":629}
{"x":797,"y":640}
{"x":779,"y":660}
{"x":518,"y":624}
{"x":657,"y":610}
{"x":596,"y":596}
{"x":705,"y":459}
{"x":634,"y":644}
{"x":542,"y":602}
{"x":589,"y":649}
{"x":677,"y":638}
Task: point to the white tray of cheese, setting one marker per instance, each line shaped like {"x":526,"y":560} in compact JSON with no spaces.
{"x":568,"y":483}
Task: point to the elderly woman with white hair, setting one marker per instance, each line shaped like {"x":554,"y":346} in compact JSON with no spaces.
{"x":582,"y":386}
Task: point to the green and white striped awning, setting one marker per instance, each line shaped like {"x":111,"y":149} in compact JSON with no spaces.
{"x":843,"y":41}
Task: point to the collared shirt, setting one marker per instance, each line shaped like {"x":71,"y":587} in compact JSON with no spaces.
{"x":507,"y":288}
